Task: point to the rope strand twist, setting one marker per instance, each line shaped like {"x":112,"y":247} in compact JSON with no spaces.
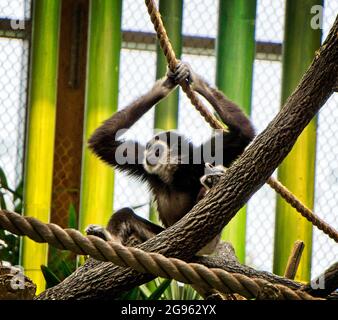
{"x":144,"y":262}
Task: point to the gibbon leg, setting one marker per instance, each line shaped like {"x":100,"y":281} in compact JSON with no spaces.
{"x":126,"y":227}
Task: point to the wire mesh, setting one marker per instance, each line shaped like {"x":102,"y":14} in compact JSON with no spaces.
{"x":200,"y":20}
{"x":15,"y":9}
{"x":63,"y":194}
{"x":13,"y":93}
{"x":325,"y":251}
{"x":266,"y":99}
{"x":137,"y":75}
{"x":261,"y":207}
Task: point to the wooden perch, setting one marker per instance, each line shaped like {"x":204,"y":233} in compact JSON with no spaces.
{"x":294,"y":259}
{"x":96,"y":280}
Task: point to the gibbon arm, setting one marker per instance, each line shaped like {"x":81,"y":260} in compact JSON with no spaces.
{"x":229,"y":112}
{"x":105,"y":141}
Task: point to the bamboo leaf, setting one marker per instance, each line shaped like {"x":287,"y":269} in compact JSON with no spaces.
{"x":133,"y":294}
{"x":72,"y":217}
{"x":3,"y":179}
{"x":65,"y":269}
{"x":156,"y":295}
{"x":18,"y":192}
{"x":50,"y":277}
{"x":2,"y":201}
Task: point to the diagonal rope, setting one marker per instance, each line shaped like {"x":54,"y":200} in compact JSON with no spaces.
{"x":169,"y":53}
{"x":145,"y":262}
{"x":307,"y":213}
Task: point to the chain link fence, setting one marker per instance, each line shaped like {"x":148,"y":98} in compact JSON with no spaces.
{"x":266,"y":99}
{"x":137,"y":75}
{"x":14,"y":52}
{"x":325,"y":250}
{"x":200,"y":20}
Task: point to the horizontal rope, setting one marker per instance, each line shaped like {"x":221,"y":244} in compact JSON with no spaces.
{"x":144,"y":262}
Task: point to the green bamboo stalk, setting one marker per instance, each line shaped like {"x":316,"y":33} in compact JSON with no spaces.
{"x":235,"y":57}
{"x":96,"y":203}
{"x":166,"y":112}
{"x":298,"y":169}
{"x":40,"y":130}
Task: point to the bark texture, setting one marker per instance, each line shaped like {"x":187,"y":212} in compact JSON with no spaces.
{"x":104,"y":280}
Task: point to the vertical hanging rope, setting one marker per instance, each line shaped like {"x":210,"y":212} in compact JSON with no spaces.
{"x":172,"y":63}
{"x":169,"y":53}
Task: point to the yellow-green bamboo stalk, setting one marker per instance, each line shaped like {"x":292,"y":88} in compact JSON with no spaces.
{"x":298,"y":169}
{"x":235,"y":57}
{"x":40,"y":132}
{"x":96,"y":204}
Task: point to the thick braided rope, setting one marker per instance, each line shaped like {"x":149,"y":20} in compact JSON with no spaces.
{"x":302,"y":209}
{"x":144,"y":262}
{"x":214,"y":123}
{"x":172,"y":63}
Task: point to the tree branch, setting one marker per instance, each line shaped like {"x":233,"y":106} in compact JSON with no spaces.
{"x":230,"y":265}
{"x":241,"y":181}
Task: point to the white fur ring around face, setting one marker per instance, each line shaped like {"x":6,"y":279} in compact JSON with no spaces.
{"x":157,"y":160}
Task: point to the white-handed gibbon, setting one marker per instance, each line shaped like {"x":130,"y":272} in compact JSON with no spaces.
{"x":169,"y":163}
